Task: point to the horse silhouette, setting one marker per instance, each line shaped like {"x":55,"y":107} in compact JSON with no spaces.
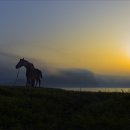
{"x":33,"y":75}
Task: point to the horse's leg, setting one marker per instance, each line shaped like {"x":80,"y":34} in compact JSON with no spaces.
{"x":36,"y":82}
{"x":33,"y":83}
{"x":27,"y":81}
{"x":39,"y":82}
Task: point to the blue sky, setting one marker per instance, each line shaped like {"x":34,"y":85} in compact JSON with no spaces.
{"x":90,"y":35}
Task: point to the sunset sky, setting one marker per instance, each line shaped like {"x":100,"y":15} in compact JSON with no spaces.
{"x":93,"y":35}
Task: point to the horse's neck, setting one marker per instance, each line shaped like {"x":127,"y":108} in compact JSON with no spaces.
{"x":25,"y":65}
{"x":29,"y":66}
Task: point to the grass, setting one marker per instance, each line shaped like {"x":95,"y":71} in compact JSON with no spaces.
{"x":55,"y":109}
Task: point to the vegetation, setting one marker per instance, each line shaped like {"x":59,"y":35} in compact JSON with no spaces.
{"x":55,"y":109}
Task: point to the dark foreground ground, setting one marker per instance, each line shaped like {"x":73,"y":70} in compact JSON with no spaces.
{"x":53,"y":109}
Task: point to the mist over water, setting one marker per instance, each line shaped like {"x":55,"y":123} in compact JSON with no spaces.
{"x":122,"y":90}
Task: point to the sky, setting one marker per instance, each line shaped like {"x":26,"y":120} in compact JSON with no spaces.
{"x":89,"y":35}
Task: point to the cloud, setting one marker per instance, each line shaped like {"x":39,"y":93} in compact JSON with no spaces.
{"x":113,"y":81}
{"x":71,"y":78}
{"x":9,"y":55}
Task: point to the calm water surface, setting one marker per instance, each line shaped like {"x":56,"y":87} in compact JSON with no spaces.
{"x":100,"y":89}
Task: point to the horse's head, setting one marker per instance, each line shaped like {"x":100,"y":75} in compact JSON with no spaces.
{"x":21,"y":63}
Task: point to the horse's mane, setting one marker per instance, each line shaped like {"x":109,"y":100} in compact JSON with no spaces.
{"x":31,"y":64}
{"x":27,"y":61}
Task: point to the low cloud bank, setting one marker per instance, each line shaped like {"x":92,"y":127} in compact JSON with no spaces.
{"x":113,"y":81}
{"x":59,"y":78}
{"x":71,"y":78}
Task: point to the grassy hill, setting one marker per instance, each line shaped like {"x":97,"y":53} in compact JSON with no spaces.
{"x":55,"y":109}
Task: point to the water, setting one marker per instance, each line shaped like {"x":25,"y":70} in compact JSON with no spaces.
{"x":126,"y":90}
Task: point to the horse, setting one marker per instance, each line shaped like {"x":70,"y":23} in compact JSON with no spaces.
{"x":32,"y":74}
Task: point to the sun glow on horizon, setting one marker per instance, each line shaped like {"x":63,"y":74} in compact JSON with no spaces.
{"x":126,"y":47}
